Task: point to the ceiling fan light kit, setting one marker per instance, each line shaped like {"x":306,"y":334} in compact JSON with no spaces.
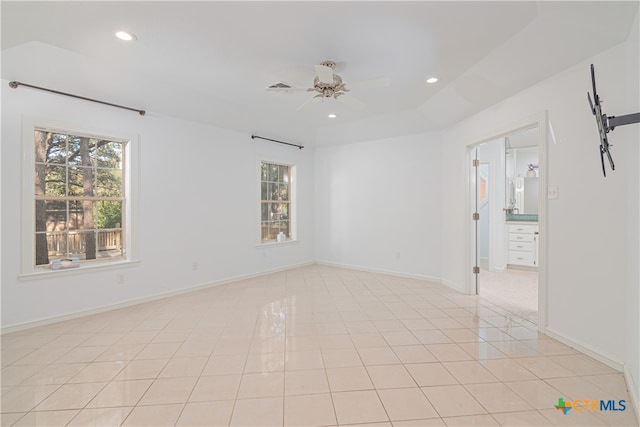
{"x":327,"y":84}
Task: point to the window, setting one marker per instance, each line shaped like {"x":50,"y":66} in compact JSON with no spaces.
{"x":276,"y":202}
{"x":78,"y":198}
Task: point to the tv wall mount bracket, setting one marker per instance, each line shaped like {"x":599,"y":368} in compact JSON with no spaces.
{"x":607,"y":124}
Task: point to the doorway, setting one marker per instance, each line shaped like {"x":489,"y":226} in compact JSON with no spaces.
{"x":506,"y":179}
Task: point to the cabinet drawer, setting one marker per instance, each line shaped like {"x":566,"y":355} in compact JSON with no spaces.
{"x":521,"y":258}
{"x":524,"y":229}
{"x":519,"y":237}
{"x":521,"y":246}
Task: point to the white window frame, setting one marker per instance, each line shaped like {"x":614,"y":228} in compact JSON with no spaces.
{"x":130,"y":175}
{"x":293,"y":204}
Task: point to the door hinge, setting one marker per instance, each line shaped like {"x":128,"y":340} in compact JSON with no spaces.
{"x":476,"y":270}
{"x":476,"y":216}
{"x":476,"y":162}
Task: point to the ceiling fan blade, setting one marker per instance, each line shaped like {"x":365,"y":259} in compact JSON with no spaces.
{"x":307,"y":102}
{"x":284,"y":88}
{"x":369,"y":83}
{"x":324,"y":73}
{"x":350,"y":101}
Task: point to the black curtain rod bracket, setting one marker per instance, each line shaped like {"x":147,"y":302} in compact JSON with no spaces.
{"x":14,"y":84}
{"x":279,"y":142}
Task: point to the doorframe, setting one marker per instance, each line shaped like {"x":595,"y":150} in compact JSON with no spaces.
{"x":540,"y":121}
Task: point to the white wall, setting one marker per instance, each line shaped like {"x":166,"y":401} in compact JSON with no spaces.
{"x":378,"y":205}
{"x":588,"y":234}
{"x":198,"y":202}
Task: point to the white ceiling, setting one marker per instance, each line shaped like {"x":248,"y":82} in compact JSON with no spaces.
{"x":211,"y":61}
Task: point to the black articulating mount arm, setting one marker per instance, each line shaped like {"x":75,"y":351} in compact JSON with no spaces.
{"x":607,"y":124}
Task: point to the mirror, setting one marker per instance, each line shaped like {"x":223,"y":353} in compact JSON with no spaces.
{"x":522,"y":175}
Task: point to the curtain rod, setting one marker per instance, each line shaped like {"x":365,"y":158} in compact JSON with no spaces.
{"x":14,"y":84}
{"x":279,"y":142}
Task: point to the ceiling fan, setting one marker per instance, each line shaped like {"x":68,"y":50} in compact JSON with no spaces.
{"x":327,"y":84}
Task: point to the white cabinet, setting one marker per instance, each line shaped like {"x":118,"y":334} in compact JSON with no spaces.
{"x":523,"y":244}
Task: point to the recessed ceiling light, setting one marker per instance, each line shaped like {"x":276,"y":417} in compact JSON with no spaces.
{"x":332,"y":116}
{"x":432,"y":80}
{"x":126,"y":36}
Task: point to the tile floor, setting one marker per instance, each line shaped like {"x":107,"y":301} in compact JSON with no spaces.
{"x":313,"y":346}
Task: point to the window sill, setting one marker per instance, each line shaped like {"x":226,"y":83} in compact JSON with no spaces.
{"x":274,"y":243}
{"x":46,"y":273}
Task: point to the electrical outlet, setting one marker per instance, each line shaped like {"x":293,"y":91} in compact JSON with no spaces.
{"x":120,"y":278}
{"x":194,"y":266}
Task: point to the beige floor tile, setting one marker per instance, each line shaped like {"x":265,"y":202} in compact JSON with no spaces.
{"x":390,"y":325}
{"x":217,"y":387}
{"x":371,"y":339}
{"x":156,"y":415}
{"x":98,"y":372}
{"x":265,"y":362}
{"x":341,"y":358}
{"x":335,"y":342}
{"x":497,"y":397}
{"x":70,"y":396}
{"x":470,"y":372}
{"x":302,"y":360}
{"x":543,"y":367}
{"x":17,"y":374}
{"x":24,"y":398}
{"x":581,"y":364}
{"x":309,"y":410}
{"x":525,"y":418}
{"x":432,"y":336}
{"x":448,"y":352}
{"x":406,"y":404}
{"x":222,"y":365}
{"x":10,"y":418}
{"x":430,"y":422}
{"x":141,"y":370}
{"x":356,"y":407}
{"x":55,"y":374}
{"x":119,"y":351}
{"x":47,"y":418}
{"x":183,"y":367}
{"x":158,"y":351}
{"x":390,"y":376}
{"x":431,"y":374}
{"x":120,"y":393}
{"x":360,"y":326}
{"x":413,"y":354}
{"x":305,"y":382}
{"x":482,"y":351}
{"x":349,"y":379}
{"x":302,"y":343}
{"x":400,"y":338}
{"x":82,"y":354}
{"x":165,"y":391}
{"x":573,"y":388}
{"x":508,"y":370}
{"x":471,"y":420}
{"x":261,"y":385}
{"x":536,"y":393}
{"x":378,"y":356}
{"x":453,"y":401}
{"x":102,"y":417}
{"x":266,"y":411}
{"x":206,"y":414}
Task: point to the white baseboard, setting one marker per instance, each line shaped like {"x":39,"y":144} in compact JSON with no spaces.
{"x":586,"y":349}
{"x":379,"y":270}
{"x":632,"y":387}
{"x":446,"y":283}
{"x":136,"y":301}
